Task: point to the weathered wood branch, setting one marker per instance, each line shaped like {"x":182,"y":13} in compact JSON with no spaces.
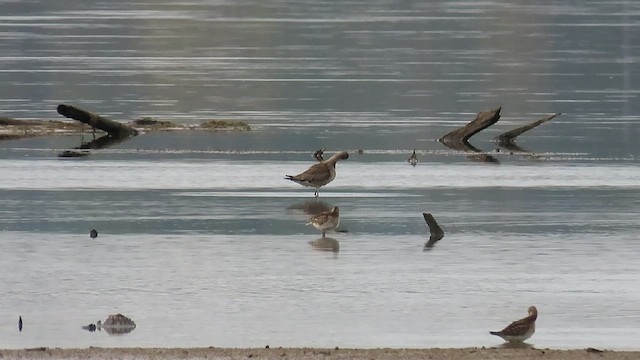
{"x":483,"y":120}
{"x":458,"y":139}
{"x":113,"y":128}
{"x":436,"y":232}
{"x":509,"y":137}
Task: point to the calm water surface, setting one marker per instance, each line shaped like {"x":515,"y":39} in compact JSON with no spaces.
{"x":201,"y":240}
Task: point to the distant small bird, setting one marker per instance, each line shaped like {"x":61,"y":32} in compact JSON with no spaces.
{"x":319,"y":174}
{"x":413,"y":159}
{"x":93,"y":234}
{"x":519,"y":330}
{"x":19,"y":323}
{"x":436,"y":232}
{"x":325,"y":221}
{"x":318,"y":155}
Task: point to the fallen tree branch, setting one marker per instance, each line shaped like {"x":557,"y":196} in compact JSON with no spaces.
{"x":509,"y":137}
{"x":435,"y":231}
{"x":113,"y":128}
{"x":483,"y":120}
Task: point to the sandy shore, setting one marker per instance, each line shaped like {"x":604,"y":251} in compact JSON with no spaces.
{"x":309,"y":353}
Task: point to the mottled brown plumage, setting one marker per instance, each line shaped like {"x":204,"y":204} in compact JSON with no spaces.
{"x":328,"y":220}
{"x":319,"y":174}
{"x":519,"y":330}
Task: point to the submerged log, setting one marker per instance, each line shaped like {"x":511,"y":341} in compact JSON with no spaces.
{"x":113,"y":128}
{"x":483,"y":120}
{"x":508,"y":138}
{"x":458,"y":139}
{"x":436,"y":232}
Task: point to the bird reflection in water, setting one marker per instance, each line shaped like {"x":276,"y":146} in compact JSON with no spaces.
{"x":311,"y":207}
{"x":326,"y":244}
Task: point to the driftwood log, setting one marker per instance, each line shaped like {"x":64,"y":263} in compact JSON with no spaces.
{"x":483,"y":120}
{"x":113,"y":128}
{"x":507,"y":139}
{"x":436,"y":232}
{"x":459,"y":138}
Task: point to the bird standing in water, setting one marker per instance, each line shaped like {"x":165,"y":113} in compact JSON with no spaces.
{"x":320,"y":174}
{"x":413,"y":159}
{"x":326,"y":221}
{"x":19,"y":323}
{"x":519,"y":330}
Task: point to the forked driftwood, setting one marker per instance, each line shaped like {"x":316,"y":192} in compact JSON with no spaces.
{"x":458,"y":139}
{"x":434,"y":229}
{"x":507,"y":139}
{"x":113,"y":128}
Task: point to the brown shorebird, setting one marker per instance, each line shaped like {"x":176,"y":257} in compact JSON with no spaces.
{"x":319,"y":174}
{"x":413,"y":159}
{"x":325,"y":221}
{"x":519,"y":330}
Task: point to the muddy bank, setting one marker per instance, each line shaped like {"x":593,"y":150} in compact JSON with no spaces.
{"x":313,"y":353}
{"x":18,"y":129}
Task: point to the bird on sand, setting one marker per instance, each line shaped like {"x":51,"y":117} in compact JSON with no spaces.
{"x":519,"y":330}
{"x":320,"y":174}
{"x":93,"y":234}
{"x":326,"y":221}
{"x":413,"y":159}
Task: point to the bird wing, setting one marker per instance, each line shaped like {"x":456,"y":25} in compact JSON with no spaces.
{"x":316,"y":173}
{"x":320,"y":218}
{"x":518,"y":327}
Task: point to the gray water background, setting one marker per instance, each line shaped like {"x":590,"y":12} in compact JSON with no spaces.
{"x":202,"y":242}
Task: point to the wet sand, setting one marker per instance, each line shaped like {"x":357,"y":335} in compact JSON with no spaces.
{"x":312,"y":353}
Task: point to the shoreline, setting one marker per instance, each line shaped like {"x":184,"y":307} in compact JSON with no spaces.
{"x":496,"y":353}
{"x":12,"y":129}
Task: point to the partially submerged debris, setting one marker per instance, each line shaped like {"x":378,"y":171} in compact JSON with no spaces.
{"x":147,"y":122}
{"x":436,"y":232}
{"x":113,"y":128}
{"x":11,"y":129}
{"x":225,"y":125}
{"x":483,"y":120}
{"x":507,"y":139}
{"x":458,"y":139}
{"x":116,"y":324}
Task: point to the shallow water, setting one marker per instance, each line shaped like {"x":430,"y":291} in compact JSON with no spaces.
{"x":201,"y":240}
